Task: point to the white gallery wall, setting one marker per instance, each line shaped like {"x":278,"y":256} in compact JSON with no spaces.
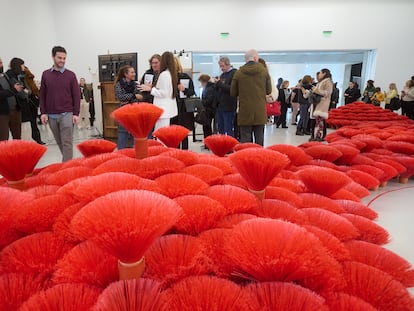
{"x":88,"y":28}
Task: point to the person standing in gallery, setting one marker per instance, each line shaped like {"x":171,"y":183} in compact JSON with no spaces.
{"x":352,"y":93}
{"x":166,"y":90}
{"x":369,"y":91}
{"x":208,"y":98}
{"x":60,"y":102}
{"x":407,"y":99}
{"x":226,"y":104}
{"x":150,"y":76}
{"x":294,"y":102}
{"x":251,"y":83}
{"x":283,"y":98}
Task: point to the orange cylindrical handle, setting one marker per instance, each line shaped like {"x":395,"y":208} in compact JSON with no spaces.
{"x":141,"y":148}
{"x":403,"y":180}
{"x":18,"y":184}
{"x":259,"y":194}
{"x":128,"y":271}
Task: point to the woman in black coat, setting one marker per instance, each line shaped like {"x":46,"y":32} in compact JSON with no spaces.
{"x":352,"y":93}
{"x":283,"y":98}
{"x":209,"y":102}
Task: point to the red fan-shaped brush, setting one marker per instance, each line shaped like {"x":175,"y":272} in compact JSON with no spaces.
{"x":63,"y":297}
{"x":96,"y":160}
{"x":357,"y":189}
{"x":408,"y":162}
{"x":314,"y":200}
{"x":16,"y":288}
{"x":187,"y":157}
{"x":402,"y":137}
{"x":174,"y":257}
{"x":200,"y":213}
{"x":128,"y":152}
{"x":43,"y":190}
{"x":220,"y":145}
{"x":208,"y":173}
{"x":230,"y":221}
{"x":399,"y":167}
{"x":222,"y":163}
{"x":364,"y":179}
{"x":286,"y":257}
{"x":134,"y":295}
{"x":242,"y":146}
{"x":345,"y":302}
{"x":282,"y":210}
{"x":205,"y":293}
{"x":153,"y":143}
{"x":337,"y":225}
{"x":357,"y":208}
{"x":321,"y":163}
{"x":234,"y":199}
{"x":285,"y":296}
{"x":18,"y":159}
{"x":343,"y":194}
{"x":292,"y":185}
{"x":324,"y":152}
{"x":235,"y":180}
{"x":87,"y":264}
{"x":178,"y":184}
{"x":40,"y":214}
{"x":51,"y":168}
{"x":72,"y":163}
{"x":400,"y":147}
{"x":157,"y":150}
{"x":95,"y":146}
{"x":334,"y":246}
{"x":383,"y":259}
{"x":125,"y":165}
{"x":154,"y":167}
{"x":361,"y":159}
{"x":296,"y":155}
{"x":62,"y":177}
{"x":282,"y":194}
{"x":371,"y":142}
{"x":323,"y":180}
{"x":172,"y":135}
{"x":348,"y":153}
{"x":139,"y":120}
{"x":125,"y":223}
{"x":258,"y":167}
{"x":376,"y":287}
{"x":389,"y":172}
{"x":34,"y":254}
{"x":369,"y":230}
{"x":36,"y":180}
{"x":61,"y":227}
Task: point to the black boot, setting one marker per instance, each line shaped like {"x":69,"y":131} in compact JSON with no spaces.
{"x":300,"y":133}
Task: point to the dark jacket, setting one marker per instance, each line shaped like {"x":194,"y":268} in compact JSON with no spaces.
{"x":300,"y":98}
{"x":148,"y":98}
{"x":125,"y":92}
{"x":209,"y":99}
{"x":6,"y":91}
{"x":184,"y":118}
{"x":282,"y":98}
{"x":226,"y":102}
{"x":353,"y":95}
{"x":251,"y":83}
{"x":20,"y":100}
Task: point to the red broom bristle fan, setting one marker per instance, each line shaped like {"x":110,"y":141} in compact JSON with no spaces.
{"x":296,"y":155}
{"x":62,"y":177}
{"x":125,"y":224}
{"x":222,"y":163}
{"x":132,"y":295}
{"x":282,"y":194}
{"x":324,"y":152}
{"x":343,"y":194}
{"x":219,"y":144}
{"x":364,"y":179}
{"x":271,"y":296}
{"x":139,"y":120}
{"x":174,"y":257}
{"x":369,"y":230}
{"x":18,"y":159}
{"x":286,"y":257}
{"x":230,"y":221}
{"x":277,"y":209}
{"x":206,"y":293}
{"x":242,"y":146}
{"x":200,"y":213}
{"x":87,"y":264}
{"x":187,"y":157}
{"x":400,"y":147}
{"x":292,"y":185}
{"x":344,"y":302}
{"x":125,"y":165}
{"x":172,"y":135}
{"x":154,"y":167}
{"x":68,"y":297}
{"x":314,"y":200}
{"x":208,"y":173}
{"x":61,"y":227}
{"x":357,"y":208}
{"x":178,"y":184}
{"x":235,"y":180}
{"x":96,"y":146}
{"x":357,"y":189}
{"x":96,"y":160}
{"x":258,"y":167}
{"x":43,"y":190}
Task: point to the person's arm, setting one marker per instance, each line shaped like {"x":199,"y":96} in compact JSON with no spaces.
{"x":164,"y":86}
{"x":122,"y":95}
{"x":234,"y":87}
{"x":8,"y":93}
{"x":324,"y":89}
{"x":76,"y":97}
{"x":42,"y":96}
{"x":226,"y":87}
{"x":269,"y":89}
{"x":208,"y":100}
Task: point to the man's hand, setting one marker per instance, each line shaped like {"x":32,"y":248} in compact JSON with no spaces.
{"x":18,"y":87}
{"x":44,"y":118}
{"x":75,"y":119}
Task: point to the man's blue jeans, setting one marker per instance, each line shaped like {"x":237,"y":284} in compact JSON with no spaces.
{"x":225,"y":122}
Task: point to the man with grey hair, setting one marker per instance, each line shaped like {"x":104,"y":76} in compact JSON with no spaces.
{"x":226,"y":104}
{"x":251,"y":83}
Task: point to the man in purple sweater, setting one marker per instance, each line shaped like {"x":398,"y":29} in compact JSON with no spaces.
{"x":60,"y":102}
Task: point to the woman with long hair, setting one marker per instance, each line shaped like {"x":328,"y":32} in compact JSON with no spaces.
{"x":407,"y":99}
{"x":391,"y":96}
{"x":369,"y":91}
{"x":127,"y":92}
{"x":283,"y":98}
{"x":165,"y":90}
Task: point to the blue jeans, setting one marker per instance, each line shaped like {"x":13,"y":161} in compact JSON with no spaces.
{"x":225,"y":122}
{"x":304,"y":117}
{"x":123,"y":136}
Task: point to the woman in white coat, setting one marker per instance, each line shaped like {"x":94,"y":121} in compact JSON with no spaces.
{"x":165,"y":90}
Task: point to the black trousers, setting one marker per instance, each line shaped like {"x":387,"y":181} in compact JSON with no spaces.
{"x":207,"y":128}
{"x":247,"y":133}
{"x":282,"y":118}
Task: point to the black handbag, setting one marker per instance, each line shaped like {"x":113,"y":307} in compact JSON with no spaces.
{"x":395,"y":103}
{"x":202,"y":117}
{"x":193,"y":104}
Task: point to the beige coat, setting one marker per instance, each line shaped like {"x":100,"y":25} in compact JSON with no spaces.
{"x":323,"y":88}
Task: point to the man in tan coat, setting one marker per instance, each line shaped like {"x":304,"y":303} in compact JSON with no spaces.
{"x":251,"y":83}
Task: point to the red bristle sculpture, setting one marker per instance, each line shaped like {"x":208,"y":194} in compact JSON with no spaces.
{"x":371,"y":142}
{"x":174,"y":257}
{"x":357,"y":189}
{"x":334,"y":246}
{"x":208,"y":173}
{"x":242,"y":146}
{"x":249,"y":248}
{"x":323,"y":180}
{"x":234,"y":199}
{"x":324,"y":152}
{"x":36,"y":180}
{"x":344,"y":302}
{"x":376,"y":287}
{"x":389,"y":172}
{"x":314,"y":200}
{"x":40,"y":214}
{"x":73,"y":163}
{"x":61,"y":227}
{"x":18,"y":159}
{"x":235,"y":180}
{"x":296,"y":155}
{"x":157,"y":150}
{"x":357,"y":208}
{"x":96,"y":160}
{"x":68,"y":297}
{"x":49,"y":169}
{"x":369,"y":230}
{"x":282,"y":194}
{"x":128,"y":152}
{"x":400,"y":147}
{"x":230,"y":221}
{"x":222,"y":163}
{"x":272,"y":296}
{"x":277,"y":209}
{"x":87,"y":264}
{"x":383,"y":259}
{"x":187,"y":157}
{"x":399,"y":167}
{"x":153,"y":143}
{"x":361,"y":159}
{"x":292,"y":185}
{"x":408,"y":162}
{"x":199,"y":213}
{"x":125,"y":223}
{"x":95,"y":146}
{"x":348,"y":153}
{"x":258,"y":167}
{"x":33,"y":254}
{"x":337,"y":225}
{"x":43,"y":190}
{"x":343,"y":194}
{"x":125,"y":165}
{"x":321,"y":163}
{"x":154,"y":167}
{"x":364,"y":179}
{"x":402,"y":137}
{"x":219,"y":144}
{"x":206,"y":293}
{"x":62,"y":177}
{"x":132,"y":295}
{"x":178,"y":184}
{"x":16,"y":288}
{"x":172,"y":135}
{"x":139,"y":120}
